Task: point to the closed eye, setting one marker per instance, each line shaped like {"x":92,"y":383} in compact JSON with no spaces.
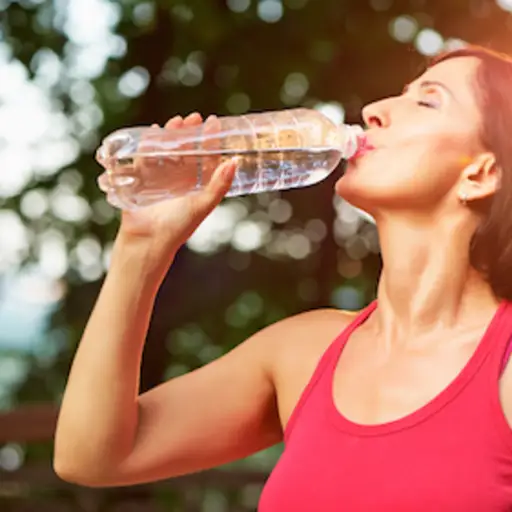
{"x":430,"y":93}
{"x":428,"y":104}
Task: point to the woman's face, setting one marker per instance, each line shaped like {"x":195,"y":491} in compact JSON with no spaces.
{"x":424,"y":138}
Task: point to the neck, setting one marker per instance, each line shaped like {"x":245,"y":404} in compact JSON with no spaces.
{"x":427,"y":283}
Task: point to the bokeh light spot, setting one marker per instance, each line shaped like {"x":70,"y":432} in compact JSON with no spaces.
{"x":239,"y":5}
{"x":238,"y":103}
{"x":248,"y":236}
{"x":143,"y":14}
{"x":280,"y":211}
{"x":134,"y":82}
{"x":294,"y":88}
{"x":332,"y":110}
{"x":270,"y":11}
{"x":404,"y":28}
{"x":429,"y":42}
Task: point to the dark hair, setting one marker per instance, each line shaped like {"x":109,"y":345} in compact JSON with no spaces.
{"x":491,"y":245}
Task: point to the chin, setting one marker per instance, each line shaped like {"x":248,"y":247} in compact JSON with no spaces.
{"x":348,"y":188}
{"x":360,"y":193}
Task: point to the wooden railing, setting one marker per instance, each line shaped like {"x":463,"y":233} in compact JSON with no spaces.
{"x":28,"y":423}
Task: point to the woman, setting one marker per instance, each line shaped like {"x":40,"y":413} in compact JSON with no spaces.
{"x":409,"y":408}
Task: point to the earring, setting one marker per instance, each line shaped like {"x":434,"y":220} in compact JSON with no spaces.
{"x":464,"y":198}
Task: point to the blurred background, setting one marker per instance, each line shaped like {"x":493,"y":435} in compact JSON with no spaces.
{"x":71,"y":71}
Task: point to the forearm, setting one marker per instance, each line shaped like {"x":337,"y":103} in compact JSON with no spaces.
{"x":98,"y":418}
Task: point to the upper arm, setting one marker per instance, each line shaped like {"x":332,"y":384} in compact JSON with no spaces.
{"x":221,"y":412}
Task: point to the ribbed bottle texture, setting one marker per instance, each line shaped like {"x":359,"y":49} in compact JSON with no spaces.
{"x":274,"y":151}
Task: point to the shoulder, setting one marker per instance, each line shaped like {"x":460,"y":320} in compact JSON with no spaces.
{"x":324,"y":315}
{"x":316,"y":324}
{"x":310,"y":321}
{"x":299,"y":341}
{"x":299,"y":336}
{"x":313,"y":327}
{"x":295,"y":343}
{"x":294,"y":349}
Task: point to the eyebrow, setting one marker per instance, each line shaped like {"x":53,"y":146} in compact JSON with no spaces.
{"x":428,"y":83}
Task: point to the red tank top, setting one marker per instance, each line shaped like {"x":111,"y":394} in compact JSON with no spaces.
{"x":454,"y":454}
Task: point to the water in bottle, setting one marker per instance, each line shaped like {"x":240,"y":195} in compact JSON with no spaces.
{"x":274,"y":151}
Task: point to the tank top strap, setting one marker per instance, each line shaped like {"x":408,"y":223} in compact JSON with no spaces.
{"x":502,"y":342}
{"x":327,"y":363}
{"x":339,"y":343}
{"x":506,"y":357}
{"x":506,"y":350}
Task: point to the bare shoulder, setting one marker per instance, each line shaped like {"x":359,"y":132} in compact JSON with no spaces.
{"x":313,"y":330}
{"x":325,"y":317}
{"x":296,"y":347}
{"x":304,"y":335}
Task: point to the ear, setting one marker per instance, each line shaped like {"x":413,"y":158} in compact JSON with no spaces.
{"x":481,"y":178}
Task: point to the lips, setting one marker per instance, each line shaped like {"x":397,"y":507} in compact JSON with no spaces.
{"x":364,"y":146}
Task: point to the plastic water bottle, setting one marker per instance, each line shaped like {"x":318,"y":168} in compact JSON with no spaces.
{"x":274,"y":150}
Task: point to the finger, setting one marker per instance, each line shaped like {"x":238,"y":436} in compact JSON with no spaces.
{"x":147,"y":145}
{"x":193,"y":119}
{"x":191,"y":122}
{"x":212,"y":124}
{"x":222,"y":179}
{"x":218,"y":187}
{"x":174,"y":123}
{"x":210,"y":146}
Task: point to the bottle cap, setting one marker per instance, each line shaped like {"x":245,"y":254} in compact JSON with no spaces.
{"x":353,"y":140}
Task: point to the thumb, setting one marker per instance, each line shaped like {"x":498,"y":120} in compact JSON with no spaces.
{"x":220,"y":183}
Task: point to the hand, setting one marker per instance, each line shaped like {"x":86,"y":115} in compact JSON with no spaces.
{"x":168,"y":224}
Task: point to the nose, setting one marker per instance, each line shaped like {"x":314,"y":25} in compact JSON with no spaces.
{"x":376,"y":115}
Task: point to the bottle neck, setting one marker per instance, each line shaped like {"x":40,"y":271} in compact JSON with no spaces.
{"x":351,"y":138}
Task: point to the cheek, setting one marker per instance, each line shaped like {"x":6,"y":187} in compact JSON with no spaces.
{"x":418,"y":172}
